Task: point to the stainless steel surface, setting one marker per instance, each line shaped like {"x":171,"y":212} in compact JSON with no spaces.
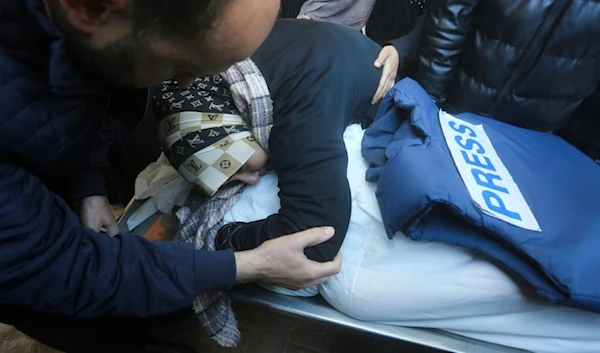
{"x":143,"y":227}
{"x":317,"y":309}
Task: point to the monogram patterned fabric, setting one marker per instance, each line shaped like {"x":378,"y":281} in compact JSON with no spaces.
{"x":202,"y":217}
{"x":202,"y":133}
{"x":206,"y":94}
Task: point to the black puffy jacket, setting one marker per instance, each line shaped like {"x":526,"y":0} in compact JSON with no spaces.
{"x":583,"y":129}
{"x":527,"y":62}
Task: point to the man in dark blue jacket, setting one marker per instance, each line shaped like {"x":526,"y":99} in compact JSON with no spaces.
{"x":61,"y":61}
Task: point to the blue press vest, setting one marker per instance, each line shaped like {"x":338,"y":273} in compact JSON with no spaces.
{"x":421,"y":192}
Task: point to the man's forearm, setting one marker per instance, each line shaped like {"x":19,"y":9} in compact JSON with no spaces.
{"x":250,"y":266}
{"x":282,"y":261}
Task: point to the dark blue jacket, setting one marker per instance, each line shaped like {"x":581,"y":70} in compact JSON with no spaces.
{"x":51,"y":120}
{"x":526,"y":199}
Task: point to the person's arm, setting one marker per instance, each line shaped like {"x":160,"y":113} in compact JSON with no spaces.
{"x":446,"y":30}
{"x":407,"y":46}
{"x":282,"y":261}
{"x":313,"y":197}
{"x":51,"y":263}
{"x":309,"y":156}
{"x":85,"y":183}
{"x":86,"y":191}
{"x":85,"y":188}
{"x":394,"y":56}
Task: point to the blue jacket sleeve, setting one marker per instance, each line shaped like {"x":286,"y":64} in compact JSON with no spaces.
{"x":85,"y":183}
{"x":50,"y":263}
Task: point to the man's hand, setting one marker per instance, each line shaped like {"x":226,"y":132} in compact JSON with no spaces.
{"x":390,"y":60}
{"x":282,"y":261}
{"x":95,"y":213}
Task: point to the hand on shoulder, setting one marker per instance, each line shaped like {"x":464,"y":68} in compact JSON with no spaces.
{"x":282,"y":261}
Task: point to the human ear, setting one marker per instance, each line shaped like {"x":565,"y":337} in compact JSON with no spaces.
{"x":87,"y":16}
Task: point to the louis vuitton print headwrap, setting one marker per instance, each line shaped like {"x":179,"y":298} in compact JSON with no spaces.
{"x":202,"y":218}
{"x":202,"y":134}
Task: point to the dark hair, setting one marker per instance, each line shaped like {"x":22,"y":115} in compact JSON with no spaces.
{"x":175,"y":19}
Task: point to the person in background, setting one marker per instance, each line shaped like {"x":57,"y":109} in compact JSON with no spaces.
{"x":350,"y":13}
{"x":524,"y":62}
{"x":396,"y":25}
{"x":583,"y":128}
{"x":62,"y":64}
{"x":302,"y":62}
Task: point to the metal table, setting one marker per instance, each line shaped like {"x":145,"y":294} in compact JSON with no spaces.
{"x":317,"y":309}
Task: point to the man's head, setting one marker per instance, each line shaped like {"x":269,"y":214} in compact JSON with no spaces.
{"x":137,"y":43}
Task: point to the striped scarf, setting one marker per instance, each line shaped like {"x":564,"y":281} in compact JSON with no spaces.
{"x":201,"y":219}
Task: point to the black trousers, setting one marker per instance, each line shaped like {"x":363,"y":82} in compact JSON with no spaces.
{"x":103,"y":335}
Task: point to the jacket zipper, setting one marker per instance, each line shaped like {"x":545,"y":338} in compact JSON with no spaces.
{"x":535,"y":48}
